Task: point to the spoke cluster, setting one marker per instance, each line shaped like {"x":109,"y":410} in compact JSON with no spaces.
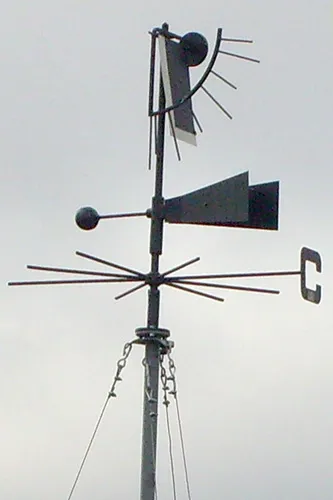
{"x":183,"y":283}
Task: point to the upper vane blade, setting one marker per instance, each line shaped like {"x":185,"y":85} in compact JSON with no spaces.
{"x":176,"y":83}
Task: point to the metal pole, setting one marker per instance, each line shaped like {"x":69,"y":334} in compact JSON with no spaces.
{"x":152,"y":344}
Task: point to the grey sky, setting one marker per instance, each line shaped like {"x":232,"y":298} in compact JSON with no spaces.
{"x":255,"y":373}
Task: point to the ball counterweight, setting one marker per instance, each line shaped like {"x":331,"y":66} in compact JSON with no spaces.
{"x":87,"y":218}
{"x":194,"y":48}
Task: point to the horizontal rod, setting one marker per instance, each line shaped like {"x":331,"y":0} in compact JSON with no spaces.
{"x":166,"y":33}
{"x":70,"y":282}
{"x":78,"y":271}
{"x":195,"y":292}
{"x":231,"y":287}
{"x":119,"y":216}
{"x":181,"y":266}
{"x":237,"y":275}
{"x":111,"y":264}
{"x":238,"y":56}
{"x":237,"y":40}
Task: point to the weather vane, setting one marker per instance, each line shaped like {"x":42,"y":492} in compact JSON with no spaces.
{"x":231,"y":202}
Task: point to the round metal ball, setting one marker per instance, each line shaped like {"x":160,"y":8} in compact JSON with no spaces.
{"x":87,"y":218}
{"x":194,"y":48}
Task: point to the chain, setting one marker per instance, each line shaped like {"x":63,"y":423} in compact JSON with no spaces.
{"x":172,"y":375}
{"x":120,"y":366}
{"x":164,"y":380}
{"x":166,"y":402}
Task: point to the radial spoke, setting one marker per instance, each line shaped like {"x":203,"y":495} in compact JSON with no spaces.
{"x":107,"y":263}
{"x":237,"y":275}
{"x":131,"y":290}
{"x":224,"y":80}
{"x":195,"y":292}
{"x":197,"y":121}
{"x":238,"y":56}
{"x":77,"y":271}
{"x":236,"y":40}
{"x":230,"y":287}
{"x":217,"y":103}
{"x":70,"y":282}
{"x":181,"y":266}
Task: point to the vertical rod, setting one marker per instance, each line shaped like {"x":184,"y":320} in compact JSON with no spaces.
{"x":152,"y":348}
{"x":151,"y":94}
{"x":152,"y":74}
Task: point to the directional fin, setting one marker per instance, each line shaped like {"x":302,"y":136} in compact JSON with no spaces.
{"x":263,"y":208}
{"x":231,"y":203}
{"x":225,"y":201}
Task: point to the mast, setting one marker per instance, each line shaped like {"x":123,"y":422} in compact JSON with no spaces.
{"x":153,"y":334}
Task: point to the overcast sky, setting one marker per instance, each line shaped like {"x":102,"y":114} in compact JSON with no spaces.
{"x":255,"y":374}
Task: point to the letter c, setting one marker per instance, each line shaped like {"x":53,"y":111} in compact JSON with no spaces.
{"x":308,"y":255}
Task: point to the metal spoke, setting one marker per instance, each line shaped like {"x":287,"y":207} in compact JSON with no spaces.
{"x":231,"y":287}
{"x":237,"y":40}
{"x":217,"y":103}
{"x":238,"y":56}
{"x":181,"y":266}
{"x":237,"y":275}
{"x":224,"y":80}
{"x":120,"y":216}
{"x":132,"y":290}
{"x":70,"y":282}
{"x":197,"y":122}
{"x":107,"y":263}
{"x":195,"y":292}
{"x":77,"y":271}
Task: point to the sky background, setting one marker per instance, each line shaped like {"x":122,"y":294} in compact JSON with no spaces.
{"x":255,"y":374}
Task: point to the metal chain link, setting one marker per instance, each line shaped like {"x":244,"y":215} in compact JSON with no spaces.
{"x":164,"y":380}
{"x":120,"y":366}
{"x":166,"y":402}
{"x":172,"y":375}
